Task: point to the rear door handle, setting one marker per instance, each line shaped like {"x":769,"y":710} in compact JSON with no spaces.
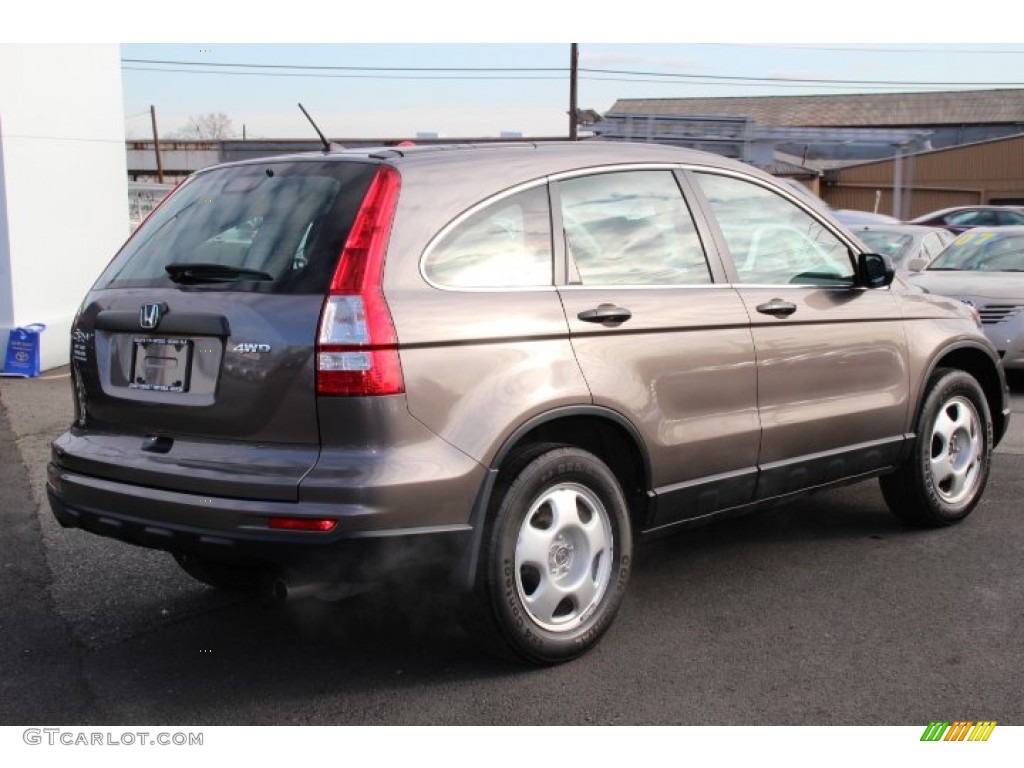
{"x":777,"y":307}
{"x":605,"y":313}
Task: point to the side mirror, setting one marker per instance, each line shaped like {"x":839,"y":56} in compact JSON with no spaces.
{"x":917,"y":265}
{"x":874,"y":270}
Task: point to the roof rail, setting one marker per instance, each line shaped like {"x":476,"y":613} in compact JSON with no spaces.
{"x":383,"y":153}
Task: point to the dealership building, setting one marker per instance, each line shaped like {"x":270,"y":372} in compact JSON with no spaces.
{"x":63,"y":198}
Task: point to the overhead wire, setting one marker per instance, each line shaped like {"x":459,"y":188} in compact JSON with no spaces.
{"x":868,"y":49}
{"x":747,"y":80}
{"x":529,"y":73}
{"x":347,"y":68}
{"x":817,"y":87}
{"x":350,"y":76}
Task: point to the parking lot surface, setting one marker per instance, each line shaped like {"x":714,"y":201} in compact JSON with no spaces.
{"x":824,"y":612}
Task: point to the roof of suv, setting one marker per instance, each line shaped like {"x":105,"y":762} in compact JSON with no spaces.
{"x":524,"y":159}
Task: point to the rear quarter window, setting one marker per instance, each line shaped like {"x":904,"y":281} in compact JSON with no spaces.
{"x":505,"y":244}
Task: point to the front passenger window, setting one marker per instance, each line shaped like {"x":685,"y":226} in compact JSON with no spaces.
{"x":771,"y":240}
{"x":1008,"y":217}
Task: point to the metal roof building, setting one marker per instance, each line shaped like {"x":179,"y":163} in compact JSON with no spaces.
{"x":997,"y":107}
{"x":871,"y":146}
{"x":941,"y":118}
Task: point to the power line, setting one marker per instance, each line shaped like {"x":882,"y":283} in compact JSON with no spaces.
{"x":869,"y":49}
{"x":746,"y":80}
{"x":628,"y":75}
{"x":884,"y":88}
{"x":346,"y":76}
{"x":353,"y":69}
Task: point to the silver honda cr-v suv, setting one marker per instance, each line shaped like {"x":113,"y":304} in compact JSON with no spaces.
{"x":509,"y":362}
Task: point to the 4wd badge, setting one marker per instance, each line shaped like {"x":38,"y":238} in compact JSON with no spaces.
{"x":248,"y":347}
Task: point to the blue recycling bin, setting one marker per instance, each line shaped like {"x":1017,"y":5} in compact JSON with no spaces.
{"x":22,"y":357}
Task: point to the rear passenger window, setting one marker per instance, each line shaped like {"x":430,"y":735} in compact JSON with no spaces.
{"x":631,"y":228}
{"x":771,"y":240}
{"x":504,"y":245}
{"x":972,"y":218}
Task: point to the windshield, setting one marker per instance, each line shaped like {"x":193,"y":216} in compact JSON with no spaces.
{"x":274,"y":226}
{"x":983,"y":252}
{"x":891,"y":244}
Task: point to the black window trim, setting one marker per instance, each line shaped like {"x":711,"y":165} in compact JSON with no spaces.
{"x":701,"y":203}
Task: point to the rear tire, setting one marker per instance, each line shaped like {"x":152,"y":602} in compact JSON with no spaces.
{"x":945,"y":476}
{"x":556,"y":557}
{"x":231,"y":578}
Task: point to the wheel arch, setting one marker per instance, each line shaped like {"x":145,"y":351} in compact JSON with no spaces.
{"x":604,"y":432}
{"x":977,"y":361}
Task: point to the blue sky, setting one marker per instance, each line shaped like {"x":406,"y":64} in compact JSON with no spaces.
{"x":784,"y":39}
{"x":388,"y":103}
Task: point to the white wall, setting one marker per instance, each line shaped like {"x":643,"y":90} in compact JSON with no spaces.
{"x":63,"y":191}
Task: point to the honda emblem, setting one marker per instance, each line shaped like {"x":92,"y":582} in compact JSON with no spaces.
{"x":149,"y":316}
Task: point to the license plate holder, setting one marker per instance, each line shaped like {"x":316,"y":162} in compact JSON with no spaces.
{"x":161,"y":364}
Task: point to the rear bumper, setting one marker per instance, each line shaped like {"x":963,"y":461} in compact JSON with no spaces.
{"x":238,"y":530}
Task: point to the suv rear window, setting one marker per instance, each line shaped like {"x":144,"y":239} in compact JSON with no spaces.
{"x":288,"y":220}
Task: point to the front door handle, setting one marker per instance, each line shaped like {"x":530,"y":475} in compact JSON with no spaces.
{"x":777,"y":307}
{"x":605,"y":313}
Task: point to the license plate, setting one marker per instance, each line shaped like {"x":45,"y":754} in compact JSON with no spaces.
{"x":162,"y":365}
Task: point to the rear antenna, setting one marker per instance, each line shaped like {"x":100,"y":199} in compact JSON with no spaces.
{"x":326,"y":143}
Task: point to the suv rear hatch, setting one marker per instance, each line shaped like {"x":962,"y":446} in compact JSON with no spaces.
{"x":193,"y":357}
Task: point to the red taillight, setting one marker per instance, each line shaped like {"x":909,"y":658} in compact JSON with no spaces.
{"x":357,"y":348}
{"x":302,"y":524}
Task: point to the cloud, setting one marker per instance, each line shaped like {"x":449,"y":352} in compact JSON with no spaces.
{"x":627,"y":59}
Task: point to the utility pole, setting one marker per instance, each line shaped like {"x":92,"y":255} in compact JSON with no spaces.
{"x":574,"y":62}
{"x":156,"y":146}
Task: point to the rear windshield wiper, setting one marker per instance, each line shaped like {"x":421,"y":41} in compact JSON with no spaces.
{"x":213,"y":273}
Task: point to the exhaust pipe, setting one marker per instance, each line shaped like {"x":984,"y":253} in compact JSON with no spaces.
{"x":286,"y":591}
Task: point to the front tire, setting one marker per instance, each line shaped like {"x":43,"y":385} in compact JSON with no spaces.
{"x":945,"y":476}
{"x":557,"y":556}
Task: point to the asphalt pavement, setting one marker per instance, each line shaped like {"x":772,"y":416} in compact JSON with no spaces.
{"x":824,"y":612}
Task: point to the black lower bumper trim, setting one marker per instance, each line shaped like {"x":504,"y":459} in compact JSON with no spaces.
{"x":362,"y":557}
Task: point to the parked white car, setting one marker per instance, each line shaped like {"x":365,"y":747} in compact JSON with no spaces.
{"x":903,"y":242}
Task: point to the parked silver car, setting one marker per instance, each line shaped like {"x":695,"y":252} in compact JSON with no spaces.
{"x":984,"y":268}
{"x":901,"y":243}
{"x":509,"y":363}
